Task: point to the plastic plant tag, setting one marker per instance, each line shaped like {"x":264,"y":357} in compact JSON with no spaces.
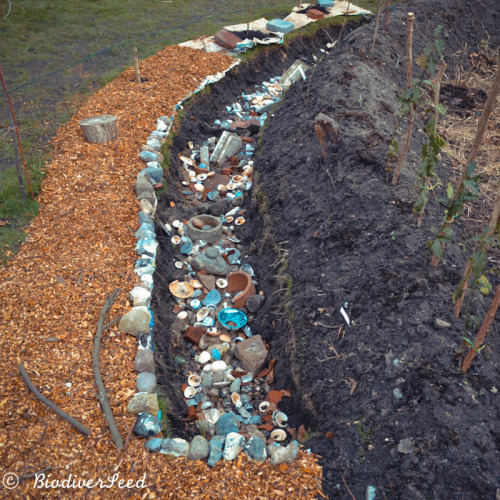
{"x":342,"y":311}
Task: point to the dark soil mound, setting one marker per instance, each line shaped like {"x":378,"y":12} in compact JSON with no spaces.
{"x":399,"y":414}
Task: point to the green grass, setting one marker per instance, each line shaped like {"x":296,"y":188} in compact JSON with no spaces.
{"x":53,"y":54}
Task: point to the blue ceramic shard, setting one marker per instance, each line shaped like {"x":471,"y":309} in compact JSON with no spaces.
{"x":187,"y":246}
{"x":212,"y":299}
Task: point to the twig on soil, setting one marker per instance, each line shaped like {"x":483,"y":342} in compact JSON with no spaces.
{"x":103,"y":396}
{"x":350,"y":492}
{"x":478,"y":341}
{"x":77,"y":425}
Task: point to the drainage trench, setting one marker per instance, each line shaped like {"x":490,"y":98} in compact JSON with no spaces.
{"x":203,"y":370}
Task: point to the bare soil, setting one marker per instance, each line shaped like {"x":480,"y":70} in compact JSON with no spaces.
{"x":344,"y":235}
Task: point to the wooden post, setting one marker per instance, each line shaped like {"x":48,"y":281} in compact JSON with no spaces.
{"x":99,"y":129}
{"x":12,"y":128}
{"x":377,"y":21}
{"x":478,"y":341}
{"x":136,"y":67}
{"x":387,"y":8}
{"x":409,"y":84}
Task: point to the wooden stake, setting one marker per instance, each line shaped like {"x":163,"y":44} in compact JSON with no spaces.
{"x":377,"y":21}
{"x":12,"y":120}
{"x":437,"y":91}
{"x":12,"y":129}
{"x":387,"y":7}
{"x":409,"y":84}
{"x":478,"y":341}
{"x":136,"y":67}
{"x":495,"y":220}
{"x":481,"y":129}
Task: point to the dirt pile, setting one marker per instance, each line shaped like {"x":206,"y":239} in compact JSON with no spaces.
{"x":405,"y":419}
{"x":384,"y":399}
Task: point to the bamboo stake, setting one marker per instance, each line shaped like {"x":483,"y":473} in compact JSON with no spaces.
{"x":481,"y":129}
{"x":478,"y":341}
{"x":136,"y":67}
{"x":409,"y":84}
{"x":103,"y":396}
{"x":495,"y":220}
{"x":377,"y":22}
{"x":77,"y":425}
{"x":437,"y":91}
{"x":387,"y":7}
{"x":13,"y":116}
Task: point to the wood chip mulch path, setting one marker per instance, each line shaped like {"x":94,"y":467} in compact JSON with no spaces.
{"x":78,"y":250}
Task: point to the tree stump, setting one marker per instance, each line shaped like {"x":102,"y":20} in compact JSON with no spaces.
{"x":99,"y":129}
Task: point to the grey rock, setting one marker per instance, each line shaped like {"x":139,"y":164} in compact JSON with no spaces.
{"x":215,"y":455}
{"x":255,"y":303}
{"x":199,"y":448}
{"x":214,"y":392}
{"x":256,"y":449}
{"x":253,"y":431}
{"x":142,"y":185}
{"x":146,"y":382}
{"x":154,"y":143}
{"x":136,"y":321}
{"x":147,"y":207}
{"x":211,"y":262}
{"x":147,"y":147}
{"x":234,"y":445}
{"x":206,"y":379}
{"x":218,"y":208}
{"x":140,"y":296}
{"x":144,"y":361}
{"x":147,"y":425}
{"x":283,"y":454}
{"x":175,"y":447}
{"x":147,"y":196}
{"x":252,"y":353}
{"x":154,"y":444}
{"x":235,"y":385}
{"x":226,"y":424}
{"x":205,"y":427}
{"x":148,"y":156}
{"x":143,"y":402}
{"x":218,"y":376}
{"x":406,"y":446}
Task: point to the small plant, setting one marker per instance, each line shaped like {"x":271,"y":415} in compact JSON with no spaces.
{"x":467,"y":191}
{"x":412,"y":100}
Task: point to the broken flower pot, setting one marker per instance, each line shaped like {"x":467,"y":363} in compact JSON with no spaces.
{"x":241,"y":282}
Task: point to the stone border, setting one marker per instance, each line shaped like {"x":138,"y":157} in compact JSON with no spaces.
{"x":139,"y":320}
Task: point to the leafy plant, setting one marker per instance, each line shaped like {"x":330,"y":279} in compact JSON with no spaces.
{"x":467,"y":191}
{"x":413,"y":100}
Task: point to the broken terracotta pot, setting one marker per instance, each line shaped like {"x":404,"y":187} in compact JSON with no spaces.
{"x":240,"y":281}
